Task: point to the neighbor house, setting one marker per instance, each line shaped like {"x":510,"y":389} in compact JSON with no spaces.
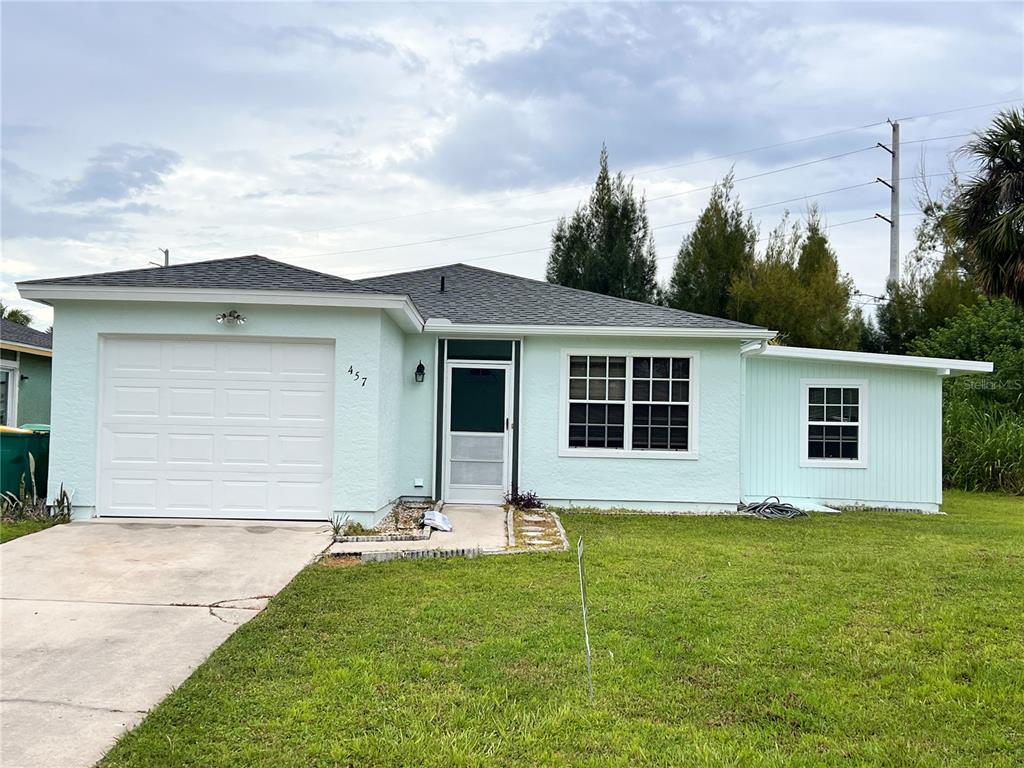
{"x":25,"y":355}
{"x":250,"y":388}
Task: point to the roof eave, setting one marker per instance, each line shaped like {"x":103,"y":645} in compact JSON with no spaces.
{"x":30,"y":349}
{"x":942,"y":366}
{"x":437,"y":325}
{"x":399,"y":306}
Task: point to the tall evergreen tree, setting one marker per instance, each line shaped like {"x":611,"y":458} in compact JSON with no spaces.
{"x":720,"y":247}
{"x":798,"y":289}
{"x":828,"y":316}
{"x":606,"y":246}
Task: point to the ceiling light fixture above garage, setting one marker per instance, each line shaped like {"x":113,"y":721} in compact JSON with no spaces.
{"x":231,"y":318}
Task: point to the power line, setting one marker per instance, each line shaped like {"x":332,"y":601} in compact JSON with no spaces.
{"x":525,"y":195}
{"x":936,"y":138}
{"x":527,"y":224}
{"x":958,"y":109}
{"x":765,"y":173}
{"x":635,"y":172}
{"x":807,"y":196}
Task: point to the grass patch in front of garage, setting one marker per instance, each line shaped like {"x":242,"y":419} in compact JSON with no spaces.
{"x":867,"y":638}
{"x":16,"y":528}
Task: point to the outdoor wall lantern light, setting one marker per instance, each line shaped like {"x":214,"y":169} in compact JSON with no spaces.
{"x":421,"y":372}
{"x":231,"y":318}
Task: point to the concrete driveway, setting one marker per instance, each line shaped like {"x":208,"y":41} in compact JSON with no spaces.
{"x":100,"y":620}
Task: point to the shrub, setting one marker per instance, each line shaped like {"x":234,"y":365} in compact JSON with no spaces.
{"x":524,"y":500}
{"x":983,"y":416}
{"x":983,"y":447}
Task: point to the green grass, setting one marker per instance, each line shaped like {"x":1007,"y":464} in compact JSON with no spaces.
{"x":860,"y":639}
{"x":14,"y":530}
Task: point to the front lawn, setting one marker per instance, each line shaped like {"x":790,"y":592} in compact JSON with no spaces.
{"x":860,"y":639}
{"x":18,"y":528}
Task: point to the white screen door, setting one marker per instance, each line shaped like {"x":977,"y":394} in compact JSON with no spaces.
{"x":477,"y":445}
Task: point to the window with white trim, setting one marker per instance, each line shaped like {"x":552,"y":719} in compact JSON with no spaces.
{"x":597,"y":397}
{"x":629,"y":402}
{"x":833,"y":423}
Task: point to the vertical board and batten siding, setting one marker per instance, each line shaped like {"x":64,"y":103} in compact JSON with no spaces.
{"x":903,"y":439}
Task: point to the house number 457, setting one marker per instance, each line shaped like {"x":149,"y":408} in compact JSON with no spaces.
{"x":356,"y":377}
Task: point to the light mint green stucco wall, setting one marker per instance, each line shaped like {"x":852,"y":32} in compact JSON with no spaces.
{"x":903,"y":440}
{"x":389,"y":415}
{"x":33,"y":392}
{"x":359,"y":454}
{"x":416,"y":446}
{"x":707,"y":483}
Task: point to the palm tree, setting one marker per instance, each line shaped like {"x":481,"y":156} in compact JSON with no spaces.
{"x":988,"y":213}
{"x":15,"y":315}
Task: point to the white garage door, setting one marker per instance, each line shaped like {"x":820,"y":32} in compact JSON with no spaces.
{"x":233,"y":429}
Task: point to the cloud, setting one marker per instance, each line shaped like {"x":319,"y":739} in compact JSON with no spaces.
{"x":22,"y":221}
{"x":336,"y":154}
{"x":295,"y":37}
{"x":14,"y":173}
{"x":660,"y":83}
{"x":19,"y":221}
{"x":303,"y":126}
{"x":15,"y":134}
{"x":119,"y":171}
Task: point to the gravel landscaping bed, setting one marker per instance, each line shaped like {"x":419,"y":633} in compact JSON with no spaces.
{"x":536,"y":530}
{"x":402,"y":523}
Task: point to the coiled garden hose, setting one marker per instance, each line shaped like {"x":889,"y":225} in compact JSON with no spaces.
{"x":773,"y":508}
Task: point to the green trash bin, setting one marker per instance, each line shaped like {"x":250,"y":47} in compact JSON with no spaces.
{"x":14,"y":464}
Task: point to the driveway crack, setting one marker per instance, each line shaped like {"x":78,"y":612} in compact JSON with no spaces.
{"x":48,"y":702}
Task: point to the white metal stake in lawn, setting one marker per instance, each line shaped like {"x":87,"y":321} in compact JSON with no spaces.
{"x":586,"y":632}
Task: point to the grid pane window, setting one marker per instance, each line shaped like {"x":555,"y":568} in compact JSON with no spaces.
{"x":833,"y":423}
{"x":597,"y":394}
{"x":629,"y":402}
{"x":661,"y":404}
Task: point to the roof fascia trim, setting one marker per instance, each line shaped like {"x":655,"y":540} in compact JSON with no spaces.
{"x":399,"y":305}
{"x":943,"y":366}
{"x":28,"y":349}
{"x":492,"y":329}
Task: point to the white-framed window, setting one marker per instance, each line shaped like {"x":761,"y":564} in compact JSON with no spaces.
{"x":617,"y":403}
{"x":833,"y":420}
{"x":9,"y":381}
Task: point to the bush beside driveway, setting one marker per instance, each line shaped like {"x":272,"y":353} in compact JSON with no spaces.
{"x":864,"y":638}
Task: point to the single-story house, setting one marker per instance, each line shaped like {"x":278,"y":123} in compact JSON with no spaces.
{"x":251,"y":388}
{"x":25,"y":355}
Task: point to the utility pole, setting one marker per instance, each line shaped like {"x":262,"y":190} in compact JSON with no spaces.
{"x":894,"y":202}
{"x":167,"y":258}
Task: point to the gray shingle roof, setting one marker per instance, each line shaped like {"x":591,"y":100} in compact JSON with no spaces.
{"x":472,"y":295}
{"x":482,"y":296}
{"x":15,"y":333}
{"x":240,"y":273}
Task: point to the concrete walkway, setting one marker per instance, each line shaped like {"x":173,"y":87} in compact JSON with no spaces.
{"x":474,"y":526}
{"x":100,"y":620}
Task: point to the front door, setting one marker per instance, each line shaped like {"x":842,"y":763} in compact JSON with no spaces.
{"x":477,"y":430}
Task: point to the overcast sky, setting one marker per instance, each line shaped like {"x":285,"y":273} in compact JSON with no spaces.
{"x":324,"y":134}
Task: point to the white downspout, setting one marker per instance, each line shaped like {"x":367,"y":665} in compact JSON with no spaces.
{"x":747,"y":349}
